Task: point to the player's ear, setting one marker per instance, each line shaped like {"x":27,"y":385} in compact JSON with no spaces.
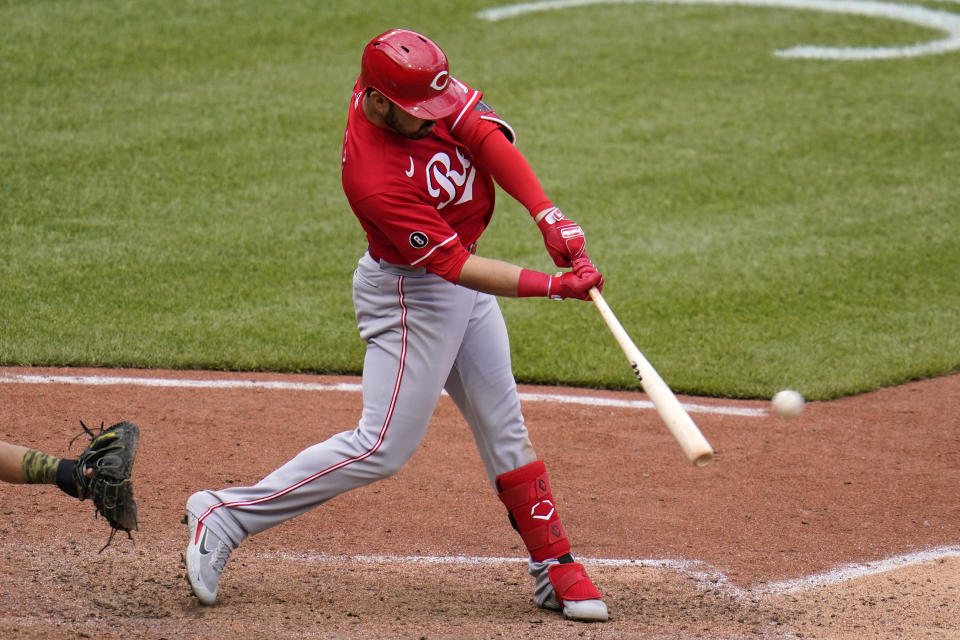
{"x":378,"y":101}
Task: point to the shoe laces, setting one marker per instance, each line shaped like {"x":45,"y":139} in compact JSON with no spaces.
{"x":220,"y":556}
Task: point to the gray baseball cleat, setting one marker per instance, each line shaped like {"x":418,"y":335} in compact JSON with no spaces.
{"x":582,"y":600}
{"x":206,"y":557}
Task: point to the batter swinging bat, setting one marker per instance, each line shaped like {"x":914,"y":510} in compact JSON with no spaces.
{"x":694,"y":445}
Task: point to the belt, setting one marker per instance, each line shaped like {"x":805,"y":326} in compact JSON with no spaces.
{"x":373,"y":254}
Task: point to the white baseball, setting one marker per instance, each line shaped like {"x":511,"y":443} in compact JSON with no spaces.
{"x":788,"y":403}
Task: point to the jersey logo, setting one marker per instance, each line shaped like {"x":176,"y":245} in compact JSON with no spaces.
{"x":409,"y":172}
{"x":419,"y":240}
{"x":443,"y":179}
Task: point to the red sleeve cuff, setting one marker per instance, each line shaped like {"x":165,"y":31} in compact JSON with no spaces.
{"x":449,"y":264}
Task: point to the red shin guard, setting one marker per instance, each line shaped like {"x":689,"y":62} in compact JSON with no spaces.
{"x":525,"y":492}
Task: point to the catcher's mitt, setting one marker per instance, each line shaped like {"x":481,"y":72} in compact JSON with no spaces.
{"x":110,"y":456}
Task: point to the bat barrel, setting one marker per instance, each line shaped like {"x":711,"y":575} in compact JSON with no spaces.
{"x":678,"y":421}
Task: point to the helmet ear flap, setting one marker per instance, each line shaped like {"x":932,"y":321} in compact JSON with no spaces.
{"x":411,"y":71}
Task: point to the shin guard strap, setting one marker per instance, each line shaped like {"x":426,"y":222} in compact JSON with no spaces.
{"x":570,"y":582}
{"x":544,"y":536}
{"x":524,"y":494}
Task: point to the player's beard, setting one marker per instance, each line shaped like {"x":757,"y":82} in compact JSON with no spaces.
{"x":391,"y":121}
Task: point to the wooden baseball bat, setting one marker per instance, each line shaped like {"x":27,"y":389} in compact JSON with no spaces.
{"x":691,"y":440}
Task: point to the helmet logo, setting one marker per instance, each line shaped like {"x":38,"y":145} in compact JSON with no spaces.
{"x":440,"y":81}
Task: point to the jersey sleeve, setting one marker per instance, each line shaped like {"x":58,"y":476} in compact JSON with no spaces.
{"x":492,"y":140}
{"x":407,"y":231}
{"x":471,"y":126}
{"x":510,"y":169}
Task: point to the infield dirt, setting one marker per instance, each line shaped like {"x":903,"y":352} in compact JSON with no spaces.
{"x":724,"y":551}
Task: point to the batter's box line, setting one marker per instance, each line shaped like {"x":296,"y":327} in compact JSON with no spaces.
{"x":853,"y":571}
{"x":277,"y":385}
{"x":706,"y":578}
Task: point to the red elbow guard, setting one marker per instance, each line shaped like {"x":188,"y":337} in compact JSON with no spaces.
{"x":525,"y":492}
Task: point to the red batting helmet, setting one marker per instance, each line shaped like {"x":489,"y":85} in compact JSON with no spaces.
{"x":411,"y":71}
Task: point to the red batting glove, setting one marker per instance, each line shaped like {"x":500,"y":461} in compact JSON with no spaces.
{"x":563,"y":237}
{"x":578,"y":282}
{"x":583,"y":264}
{"x":584,"y":268}
{"x":574,"y":285}
{"x":571,"y":284}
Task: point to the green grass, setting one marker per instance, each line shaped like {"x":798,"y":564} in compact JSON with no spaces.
{"x":170,"y":193}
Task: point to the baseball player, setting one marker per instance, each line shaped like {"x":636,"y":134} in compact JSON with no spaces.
{"x":421,"y":153}
{"x":102,"y":472}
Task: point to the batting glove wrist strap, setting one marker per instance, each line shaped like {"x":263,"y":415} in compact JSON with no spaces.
{"x":533,"y":284}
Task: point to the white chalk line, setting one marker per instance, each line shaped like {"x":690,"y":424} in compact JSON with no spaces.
{"x":699,"y":572}
{"x":943,"y":21}
{"x":8,"y":378}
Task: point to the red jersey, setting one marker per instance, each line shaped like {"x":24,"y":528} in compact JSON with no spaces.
{"x":421,"y":202}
